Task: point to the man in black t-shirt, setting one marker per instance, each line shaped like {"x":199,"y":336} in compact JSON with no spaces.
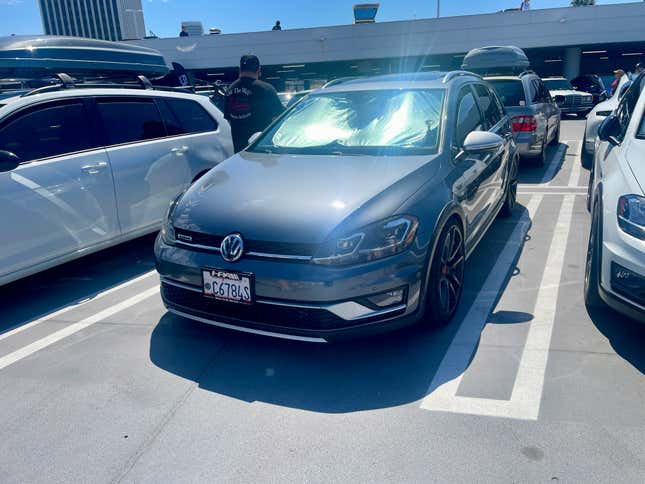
{"x":251,"y":105}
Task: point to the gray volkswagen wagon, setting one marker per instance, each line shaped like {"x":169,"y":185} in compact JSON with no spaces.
{"x":354,"y":212}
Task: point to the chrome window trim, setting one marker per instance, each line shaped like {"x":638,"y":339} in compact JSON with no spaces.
{"x":264,"y":255}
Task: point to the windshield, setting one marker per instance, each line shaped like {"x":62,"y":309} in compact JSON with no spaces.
{"x":511,"y":92}
{"x":558,"y":85}
{"x":374,"y":122}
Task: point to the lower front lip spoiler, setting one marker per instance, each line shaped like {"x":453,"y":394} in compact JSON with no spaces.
{"x":292,"y":337}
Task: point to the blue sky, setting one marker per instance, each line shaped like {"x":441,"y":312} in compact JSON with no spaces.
{"x":164,"y":17}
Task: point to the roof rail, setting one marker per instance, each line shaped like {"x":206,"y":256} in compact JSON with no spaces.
{"x":451,"y":75}
{"x":526,"y":72}
{"x":66,"y":82}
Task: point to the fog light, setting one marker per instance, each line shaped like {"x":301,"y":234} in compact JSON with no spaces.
{"x":389,"y":298}
{"x":628,"y":283}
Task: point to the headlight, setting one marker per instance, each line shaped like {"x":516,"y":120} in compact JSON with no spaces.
{"x":631,"y":215}
{"x":167,"y":229}
{"x":383,"y":239}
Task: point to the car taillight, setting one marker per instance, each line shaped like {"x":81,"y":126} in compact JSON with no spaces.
{"x":523,"y":123}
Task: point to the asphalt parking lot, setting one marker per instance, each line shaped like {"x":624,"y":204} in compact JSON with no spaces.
{"x":99,"y":384}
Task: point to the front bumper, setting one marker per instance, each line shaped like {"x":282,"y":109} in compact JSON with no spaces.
{"x":625,"y":254}
{"x":295,"y":300}
{"x":581,"y":108}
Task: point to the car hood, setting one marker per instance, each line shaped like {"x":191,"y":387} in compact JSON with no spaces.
{"x":296,"y":198}
{"x":608,"y":105}
{"x":566,"y":92}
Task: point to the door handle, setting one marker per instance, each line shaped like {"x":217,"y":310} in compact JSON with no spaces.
{"x":95,"y":168}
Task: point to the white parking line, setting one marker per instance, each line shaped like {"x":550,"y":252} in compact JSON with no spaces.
{"x":529,"y":382}
{"x":441,"y":394}
{"x":74,"y":328}
{"x":74,"y":305}
{"x":575,"y":170}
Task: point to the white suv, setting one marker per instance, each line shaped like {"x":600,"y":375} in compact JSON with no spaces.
{"x":84,"y":167}
{"x":615,"y":269}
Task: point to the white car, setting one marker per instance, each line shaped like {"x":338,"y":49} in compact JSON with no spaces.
{"x":595,"y":117}
{"x":568,"y":99}
{"x":615,"y":269}
{"x":83,"y":168}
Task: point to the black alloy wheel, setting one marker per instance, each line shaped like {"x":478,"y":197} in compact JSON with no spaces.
{"x":511,"y":190}
{"x":592,"y":266}
{"x":446,"y":275}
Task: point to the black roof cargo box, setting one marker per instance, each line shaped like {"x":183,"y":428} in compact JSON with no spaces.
{"x":496,"y":60}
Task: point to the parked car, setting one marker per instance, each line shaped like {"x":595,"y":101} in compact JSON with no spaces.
{"x":615,"y":269}
{"x":592,"y":84}
{"x":535,"y":118}
{"x":353,"y":212}
{"x":83,"y":168}
{"x":595,"y":117}
{"x":568,"y":99}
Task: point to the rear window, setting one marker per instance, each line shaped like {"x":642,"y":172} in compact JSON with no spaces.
{"x":188,"y":117}
{"x":127,"y":120}
{"x":510,"y":92}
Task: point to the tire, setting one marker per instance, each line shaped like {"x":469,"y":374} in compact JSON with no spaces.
{"x":511,"y":191}
{"x":556,"y":139}
{"x":586,"y":158}
{"x":446,"y":280}
{"x":589,"y":188}
{"x":592,"y":266}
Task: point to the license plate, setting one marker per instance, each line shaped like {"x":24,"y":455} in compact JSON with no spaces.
{"x":228,"y":286}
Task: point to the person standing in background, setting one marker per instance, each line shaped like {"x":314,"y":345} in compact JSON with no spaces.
{"x":183,"y":32}
{"x":277,"y":26}
{"x":618,"y":75}
{"x":251,"y":104}
{"x":525,"y":5}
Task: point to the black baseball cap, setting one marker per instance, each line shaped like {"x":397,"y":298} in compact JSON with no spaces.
{"x":249,"y":63}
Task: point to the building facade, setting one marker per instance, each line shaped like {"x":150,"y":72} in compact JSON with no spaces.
{"x":97,"y":19}
{"x":560,"y":41}
{"x":193,"y":28}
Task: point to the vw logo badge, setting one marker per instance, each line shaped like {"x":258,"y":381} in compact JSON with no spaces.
{"x":232,"y":247}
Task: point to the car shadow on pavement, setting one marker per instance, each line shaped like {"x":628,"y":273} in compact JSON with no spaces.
{"x":627,"y":337}
{"x":377,"y":372}
{"x":533,"y":174}
{"x":50,"y":290}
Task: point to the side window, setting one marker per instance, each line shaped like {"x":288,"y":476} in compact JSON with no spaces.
{"x":532,"y":94}
{"x":544,"y":95}
{"x":191,"y":116}
{"x":47,"y":130}
{"x":130,"y":119}
{"x":468,"y":116}
{"x":487,"y":105}
{"x":498,"y":103}
{"x":624,"y":115}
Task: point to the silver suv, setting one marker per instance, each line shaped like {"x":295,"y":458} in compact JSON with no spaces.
{"x":535,"y":118}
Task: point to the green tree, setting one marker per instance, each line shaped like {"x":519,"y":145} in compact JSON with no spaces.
{"x":581,"y":3}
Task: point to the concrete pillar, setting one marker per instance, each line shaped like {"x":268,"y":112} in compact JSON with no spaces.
{"x":571,"y":67}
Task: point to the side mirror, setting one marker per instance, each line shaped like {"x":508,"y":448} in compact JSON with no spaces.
{"x":254,"y":137}
{"x":482,"y":142}
{"x":609,"y":130}
{"x":8,"y":161}
{"x":559,"y":99}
